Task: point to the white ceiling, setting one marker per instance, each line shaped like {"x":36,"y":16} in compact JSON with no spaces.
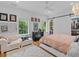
{"x":55,"y":7}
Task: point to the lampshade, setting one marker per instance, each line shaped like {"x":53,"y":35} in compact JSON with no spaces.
{"x":75,"y":9}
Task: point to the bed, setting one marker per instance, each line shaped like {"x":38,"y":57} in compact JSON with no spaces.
{"x":58,"y":41}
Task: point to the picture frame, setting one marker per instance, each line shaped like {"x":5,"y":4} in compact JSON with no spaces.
{"x":4,"y":28}
{"x":75,"y":26}
{"x":32,"y":19}
{"x":3,"y":17}
{"x":12,"y":18}
{"x":35,"y":26}
{"x":38,"y":20}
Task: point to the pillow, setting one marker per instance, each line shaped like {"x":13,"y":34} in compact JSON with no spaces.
{"x":3,"y":41}
{"x":4,"y":38}
{"x":11,"y":37}
{"x":24,"y":38}
{"x":16,"y":41}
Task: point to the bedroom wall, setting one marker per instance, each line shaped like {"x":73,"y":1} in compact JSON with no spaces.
{"x":12,"y":26}
{"x":21,"y":13}
{"x":62,"y":25}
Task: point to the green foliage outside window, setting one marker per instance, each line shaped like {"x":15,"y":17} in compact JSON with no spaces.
{"x":23,"y":27}
{"x":43,"y":26}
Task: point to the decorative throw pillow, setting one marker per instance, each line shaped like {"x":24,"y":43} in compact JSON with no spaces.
{"x":3,"y":41}
{"x":24,"y":38}
{"x":6,"y":39}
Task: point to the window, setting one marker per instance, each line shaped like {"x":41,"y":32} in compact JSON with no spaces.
{"x":43,"y":26}
{"x":23,"y":27}
{"x":35,"y":26}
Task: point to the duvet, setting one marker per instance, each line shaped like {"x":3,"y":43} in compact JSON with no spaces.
{"x":58,"y":41}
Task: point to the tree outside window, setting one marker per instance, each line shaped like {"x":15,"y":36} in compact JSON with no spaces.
{"x":43,"y":26}
{"x":23,"y":27}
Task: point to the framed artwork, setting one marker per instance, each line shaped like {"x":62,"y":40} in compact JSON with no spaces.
{"x":75,"y":26}
{"x":35,"y":26}
{"x":51,"y":26}
{"x":38,"y":20}
{"x":3,"y":17}
{"x":32,"y":19}
{"x":4,"y":28}
{"x":12,"y":18}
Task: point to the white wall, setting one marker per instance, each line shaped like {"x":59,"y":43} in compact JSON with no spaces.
{"x":12,"y":26}
{"x":62,"y":25}
{"x":21,"y":13}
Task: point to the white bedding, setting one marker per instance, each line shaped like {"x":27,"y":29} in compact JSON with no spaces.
{"x":34,"y":51}
{"x":74,"y":50}
{"x":29,"y":51}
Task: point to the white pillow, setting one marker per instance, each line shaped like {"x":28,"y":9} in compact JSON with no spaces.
{"x":16,"y":41}
{"x":3,"y":41}
{"x":30,"y":38}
